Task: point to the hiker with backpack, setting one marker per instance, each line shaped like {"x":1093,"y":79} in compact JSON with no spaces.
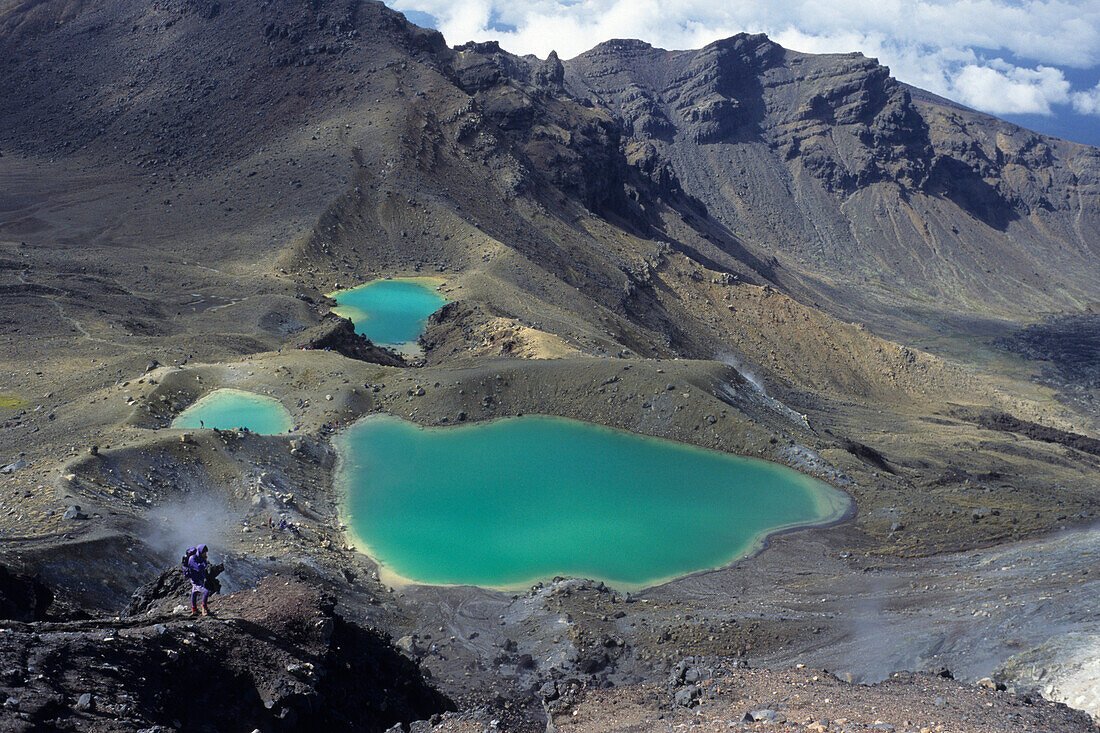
{"x":195,"y":565}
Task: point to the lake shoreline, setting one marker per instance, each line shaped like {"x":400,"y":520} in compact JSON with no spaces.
{"x":631,"y":496}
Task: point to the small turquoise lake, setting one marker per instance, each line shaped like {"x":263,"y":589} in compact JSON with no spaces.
{"x":390,"y":313}
{"x":228,"y":409}
{"x":513,"y":501}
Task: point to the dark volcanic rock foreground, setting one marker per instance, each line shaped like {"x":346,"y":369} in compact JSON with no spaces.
{"x":275,"y":657}
{"x":782,"y":255}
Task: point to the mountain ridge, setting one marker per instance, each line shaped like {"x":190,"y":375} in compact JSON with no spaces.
{"x":814,"y":143}
{"x":850,"y":132}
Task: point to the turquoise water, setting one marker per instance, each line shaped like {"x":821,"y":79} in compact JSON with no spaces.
{"x":227,"y":409}
{"x":390,"y":312}
{"x":516,"y":500}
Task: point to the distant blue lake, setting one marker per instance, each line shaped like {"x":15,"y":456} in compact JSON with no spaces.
{"x":517,"y":500}
{"x":390,"y":313}
{"x":228,"y":409}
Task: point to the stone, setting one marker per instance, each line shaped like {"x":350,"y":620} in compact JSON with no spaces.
{"x":13,"y":467}
{"x":548,"y":690}
{"x":84,"y":702}
{"x":678,"y":673}
{"x":74,"y":513}
{"x":764,"y":715}
{"x":407,"y":644}
{"x":687,"y":696}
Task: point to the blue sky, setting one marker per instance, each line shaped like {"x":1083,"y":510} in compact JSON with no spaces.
{"x":1035,"y":63}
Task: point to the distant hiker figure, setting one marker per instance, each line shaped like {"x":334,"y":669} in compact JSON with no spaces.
{"x":195,"y":566}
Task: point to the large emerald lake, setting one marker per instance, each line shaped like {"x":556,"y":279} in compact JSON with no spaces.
{"x":517,"y":500}
{"x":227,"y":409}
{"x":390,"y":312}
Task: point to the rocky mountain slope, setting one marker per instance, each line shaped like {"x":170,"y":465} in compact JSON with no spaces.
{"x":817,"y":172}
{"x":840,"y":272}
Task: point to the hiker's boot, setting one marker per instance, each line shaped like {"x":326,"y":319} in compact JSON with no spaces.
{"x":194,"y":611}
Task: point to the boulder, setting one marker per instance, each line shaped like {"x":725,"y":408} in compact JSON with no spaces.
{"x":74,"y":513}
{"x":764,"y":715}
{"x":688,"y":696}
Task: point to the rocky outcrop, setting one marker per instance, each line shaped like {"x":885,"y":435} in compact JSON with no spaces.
{"x":550,"y":74}
{"x":1004,"y":422}
{"x":844,"y":119}
{"x":168,"y":590}
{"x":338,"y":334}
{"x":276,"y":657}
{"x":576,"y":146}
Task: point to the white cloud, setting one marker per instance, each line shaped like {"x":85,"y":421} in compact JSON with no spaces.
{"x":939,"y":45}
{"x":1087,"y":103}
{"x":1001,"y":88}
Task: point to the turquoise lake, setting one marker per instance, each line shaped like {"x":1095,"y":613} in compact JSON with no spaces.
{"x":517,"y":500}
{"x":390,"y":312}
{"x":227,"y":409}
